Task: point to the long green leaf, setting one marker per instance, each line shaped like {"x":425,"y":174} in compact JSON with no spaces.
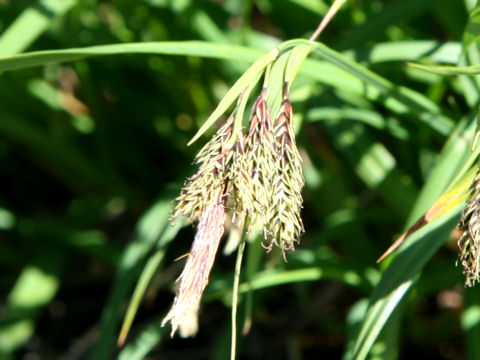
{"x":368,"y":117}
{"x":471,"y":56}
{"x":348,"y":76}
{"x":450,"y":163}
{"x":447,"y":52}
{"x":153,"y":227}
{"x":144,"y":342}
{"x":147,"y":274}
{"x":448,"y":70}
{"x":242,"y":84}
{"x":184,"y":48}
{"x":427,"y":112}
{"x":30,"y":24}
{"x":269,"y":278}
{"x":399,"y":277}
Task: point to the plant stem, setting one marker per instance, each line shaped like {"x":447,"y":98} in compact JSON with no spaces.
{"x":236,"y":282}
{"x":337,"y":4}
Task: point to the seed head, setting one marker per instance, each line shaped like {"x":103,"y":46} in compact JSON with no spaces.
{"x":258,"y":177}
{"x":212,"y":160}
{"x":260,"y":163}
{"x":240,"y":190}
{"x":285,"y":224}
{"x":469,"y":242}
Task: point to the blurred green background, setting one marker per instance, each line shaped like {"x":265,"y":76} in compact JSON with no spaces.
{"x":93,"y":152}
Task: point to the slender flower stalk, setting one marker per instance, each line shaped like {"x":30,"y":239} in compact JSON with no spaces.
{"x":469,"y":242}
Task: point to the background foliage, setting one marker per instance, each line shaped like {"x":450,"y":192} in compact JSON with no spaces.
{"x":93,"y":151}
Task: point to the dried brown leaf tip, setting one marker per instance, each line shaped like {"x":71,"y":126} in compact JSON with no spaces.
{"x":256,"y":177}
{"x":469,"y":242}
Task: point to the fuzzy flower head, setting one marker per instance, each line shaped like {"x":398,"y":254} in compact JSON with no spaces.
{"x":469,"y":242}
{"x":257,"y":179}
{"x":260,"y":162}
{"x":284,"y":225}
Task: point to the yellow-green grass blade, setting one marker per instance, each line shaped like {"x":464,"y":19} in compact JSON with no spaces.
{"x":269,"y":278}
{"x":153,"y":228}
{"x":148,"y":272}
{"x":448,"y":70}
{"x":399,"y":278}
{"x":285,"y":68}
{"x":181,"y":48}
{"x":455,"y":159}
{"x":470,"y":56}
{"x":441,"y":52}
{"x":144,"y":342}
{"x":339,"y":71}
{"x":30,"y":24}
{"x":242,"y":84}
{"x":426,"y":111}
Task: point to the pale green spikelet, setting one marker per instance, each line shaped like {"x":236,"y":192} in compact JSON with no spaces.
{"x":260,"y":163}
{"x":239,"y":181}
{"x":469,"y":242}
{"x":212,"y":161}
{"x":285,"y":226}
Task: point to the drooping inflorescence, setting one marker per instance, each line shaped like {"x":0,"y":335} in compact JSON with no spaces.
{"x":469,"y":242}
{"x":284,"y":225}
{"x":255,"y":178}
{"x":260,"y":162}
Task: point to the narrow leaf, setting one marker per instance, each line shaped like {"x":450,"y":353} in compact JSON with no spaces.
{"x":427,"y":112}
{"x":448,"y":70}
{"x":452,"y":198}
{"x":145,"y":278}
{"x":399,"y":277}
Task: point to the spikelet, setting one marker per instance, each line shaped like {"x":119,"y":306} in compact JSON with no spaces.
{"x":469,"y":242}
{"x":260,"y":162}
{"x":240,"y":191}
{"x":285,"y":224}
{"x":212,"y":160}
